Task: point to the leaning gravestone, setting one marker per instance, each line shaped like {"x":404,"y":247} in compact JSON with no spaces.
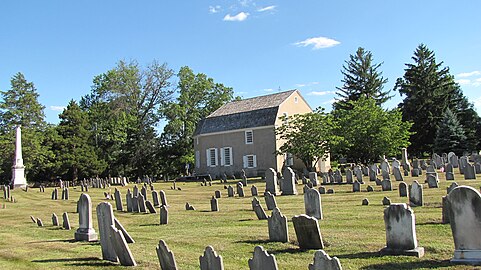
{"x":54,"y":220}
{"x":260,"y":213}
{"x":465,"y":219}
{"x":121,"y":247}
{"x":150,"y":207}
{"x":255,"y":201}
{"x":312,"y":203}
{"x":307,"y":232}
{"x":166,"y":257}
{"x":270,"y":200}
{"x":39,"y":222}
{"x":365,"y":201}
{"x":261,"y":260}
{"x":415,"y":194}
{"x":403,"y":189}
{"x":66,"y":222}
{"x":85,"y":232}
{"x":277,"y":224}
{"x":401,"y":231}
{"x":322,"y":261}
{"x":271,"y":181}
{"x":121,"y":228}
{"x":105,"y":218}
{"x":289,"y":182}
{"x":210,"y":260}
{"x":397,"y":174}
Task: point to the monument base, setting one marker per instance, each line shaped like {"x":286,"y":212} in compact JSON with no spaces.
{"x":417,"y":252}
{"x":18,"y":177}
{"x":472,"y":257}
{"x":88,"y":235}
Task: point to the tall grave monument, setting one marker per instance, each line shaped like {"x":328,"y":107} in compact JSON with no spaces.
{"x":18,"y":170}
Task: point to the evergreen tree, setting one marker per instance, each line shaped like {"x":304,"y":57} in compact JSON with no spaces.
{"x":76,"y":157}
{"x":450,"y":135}
{"x":20,"y":106}
{"x":428,"y":89}
{"x":361,"y":79}
{"x":468,"y":118}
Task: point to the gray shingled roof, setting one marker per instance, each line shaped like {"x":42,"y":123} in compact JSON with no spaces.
{"x":247,"y":113}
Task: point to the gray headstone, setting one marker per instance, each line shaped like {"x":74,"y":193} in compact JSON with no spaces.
{"x":33,"y":219}
{"x":217,"y":194}
{"x":54,"y":220}
{"x":155,"y":198}
{"x":322,"y":261}
{"x":449,"y":172}
{"x":464,"y":208}
{"x":240,"y":189}
{"x":39,"y":222}
{"x":313,"y":179}
{"x":270,"y":200}
{"x":288,"y":186}
{"x":105,"y":218}
{"x":397,"y":174}
{"x":469,"y":172}
{"x":307,"y":232}
{"x":322,"y":190}
{"x":369,"y":189}
{"x":403,"y":189}
{"x":451,"y":187}
{"x":210,"y":260}
{"x":365,"y":201}
{"x":356,"y":186}
{"x":261,"y":260}
{"x":312,"y":203}
{"x":255,"y":201}
{"x":85,"y":231}
{"x":254,"y":191}
{"x":121,"y":247}
{"x":415,"y":194}
{"x":166,"y":257}
{"x":349,"y":176}
{"x":230,"y":191}
{"x":136,"y":191}
{"x":164,"y":215}
{"x":141,"y":203}
{"x":400,"y":226}
{"x":260,"y":213}
{"x":271,"y":181}
{"x":386,"y":185}
{"x":66,"y":221}
{"x":277,"y":224}
{"x":129,"y":199}
{"x":432,"y":180}
{"x":121,"y":228}
{"x":445,"y":211}
{"x":163,"y":198}
{"x":150,"y":207}
{"x":214,"y":204}
{"x":118,"y":200}
{"x":386,"y":201}
{"x":415,"y":172}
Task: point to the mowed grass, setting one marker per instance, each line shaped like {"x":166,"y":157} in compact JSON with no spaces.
{"x":352,"y":232}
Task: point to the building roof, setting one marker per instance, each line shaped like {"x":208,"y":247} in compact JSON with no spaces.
{"x":248,"y":113}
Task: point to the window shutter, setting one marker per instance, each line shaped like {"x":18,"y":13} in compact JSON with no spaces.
{"x":215,"y":155}
{"x":207,"y":153}
{"x":231,"y":157}
{"x":197,"y":159}
{"x":255,"y":161}
{"x":244,"y":159}
{"x":222,"y":156}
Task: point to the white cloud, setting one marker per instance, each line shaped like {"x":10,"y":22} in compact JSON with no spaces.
{"x":321,"y":93}
{"x":477,"y":104}
{"x":239,"y":17}
{"x":329,"y":101}
{"x":468,"y":74}
{"x":266,"y":8}
{"x":245,"y":3}
{"x":269,"y":90}
{"x":57,"y":108}
{"x":306,"y":84}
{"x":214,"y":9}
{"x":477,"y":82}
{"x":463,"y":81}
{"x":318,"y":42}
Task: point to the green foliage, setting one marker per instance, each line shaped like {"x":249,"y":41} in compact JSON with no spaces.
{"x":198,"y":96}
{"x":361,"y":79}
{"x":450,"y":135}
{"x":308,"y":136}
{"x":75,"y":156}
{"x":368,"y":131}
{"x":428,"y":89}
{"x":20,"y":106}
{"x":468,"y":118}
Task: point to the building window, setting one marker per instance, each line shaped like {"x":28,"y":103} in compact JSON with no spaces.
{"x":249,"y":137}
{"x":296,"y":99}
{"x":286,"y":116}
{"x":250,"y":161}
{"x":197,"y":159}
{"x":226,"y":156}
{"x":289,"y":159}
{"x":211,"y":157}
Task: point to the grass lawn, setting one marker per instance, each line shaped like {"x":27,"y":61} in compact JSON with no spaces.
{"x":352,"y":232}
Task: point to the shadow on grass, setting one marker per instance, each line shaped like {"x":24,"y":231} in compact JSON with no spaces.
{"x":428,"y":264}
{"x":247,"y":219}
{"x":434,"y":222}
{"x":88,"y":261}
{"x":288,"y":250}
{"x":360,"y":255}
{"x":255,"y":242}
{"x":148,"y":225}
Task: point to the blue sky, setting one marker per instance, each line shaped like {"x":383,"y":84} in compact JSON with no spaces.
{"x":256,"y":47}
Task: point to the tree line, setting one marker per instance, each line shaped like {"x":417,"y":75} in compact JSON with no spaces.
{"x":114,"y":130}
{"x":434,"y":115}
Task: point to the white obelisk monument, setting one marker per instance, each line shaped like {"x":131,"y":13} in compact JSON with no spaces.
{"x":18,"y":170}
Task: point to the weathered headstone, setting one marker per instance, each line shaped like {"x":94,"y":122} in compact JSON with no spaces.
{"x":356,"y":186}
{"x":164,"y":215}
{"x":141,"y":203}
{"x":39,"y":222}
{"x":54,"y":220}
{"x":451,"y":187}
{"x":349,"y":176}
{"x":261,"y":260}
{"x":271,"y":181}
{"x":163,"y":198}
{"x":449,"y":171}
{"x":288,"y":186}
{"x":33,"y":219}
{"x":322,"y":261}
{"x":254,"y":191}
{"x":397,"y":174}
{"x":386,"y":185}
{"x":150,"y":207}
{"x":369,"y":189}
{"x":415,"y":172}
{"x":445,"y":211}
{"x":386,"y":201}
{"x":312,"y":203}
{"x":118,"y":200}
{"x":254,"y":202}
{"x":129,"y":200}
{"x":230,"y":191}
{"x":277,"y":224}
{"x":400,"y":226}
{"x":313,"y":179}
{"x":415,"y":194}
{"x":189,"y":207}
{"x":217,"y":194}
{"x":121,"y":247}
{"x":365,"y":201}
{"x":214,"y":204}
{"x":240,"y":189}
{"x":373,"y":172}
{"x":322,"y":190}
{"x":330,"y":191}
{"x":403,"y":189}
{"x":121,"y":228}
{"x":464,"y":208}
{"x":307,"y":232}
{"x":85,"y":231}
{"x":166,"y":257}
{"x":270,"y":200}
{"x":260,"y":213}
{"x":210,"y":260}
{"x":155,"y":198}
{"x":66,"y":221}
{"x":469,"y":172}
{"x":105,"y":218}
{"x":432,"y":180}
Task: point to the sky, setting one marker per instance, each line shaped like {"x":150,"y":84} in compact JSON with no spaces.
{"x":256,"y":47}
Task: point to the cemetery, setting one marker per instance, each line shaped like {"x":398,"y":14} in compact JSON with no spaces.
{"x":107,"y":223}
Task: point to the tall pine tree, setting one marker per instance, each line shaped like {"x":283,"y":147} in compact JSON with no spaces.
{"x":427,"y":88}
{"x":450,"y":135}
{"x":362,"y":78}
